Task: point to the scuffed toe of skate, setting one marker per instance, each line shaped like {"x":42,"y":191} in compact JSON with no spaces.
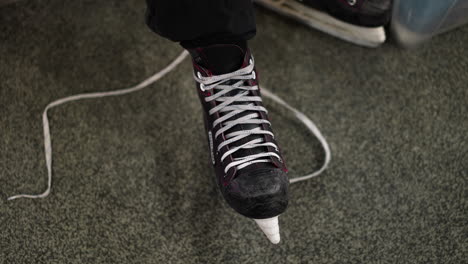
{"x":259,"y":194}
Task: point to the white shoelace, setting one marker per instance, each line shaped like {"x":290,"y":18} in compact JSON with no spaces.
{"x":46,"y":128}
{"x":229,"y":107}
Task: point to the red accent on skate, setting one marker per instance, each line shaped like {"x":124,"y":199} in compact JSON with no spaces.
{"x":246,"y":59}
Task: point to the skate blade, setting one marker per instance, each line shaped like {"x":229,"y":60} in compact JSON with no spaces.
{"x":364,"y":36}
{"x":270,"y":228}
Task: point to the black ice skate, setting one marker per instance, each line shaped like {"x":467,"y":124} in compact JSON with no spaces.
{"x":249,"y":168}
{"x":358,"y":21}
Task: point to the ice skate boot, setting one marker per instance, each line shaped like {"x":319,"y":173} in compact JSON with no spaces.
{"x":249,"y":168}
{"x":358,"y":21}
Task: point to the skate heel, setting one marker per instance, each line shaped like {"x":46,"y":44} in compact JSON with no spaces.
{"x":364,"y":36}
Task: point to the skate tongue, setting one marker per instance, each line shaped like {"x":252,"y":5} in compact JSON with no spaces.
{"x":220,"y":58}
{"x":270,"y":227}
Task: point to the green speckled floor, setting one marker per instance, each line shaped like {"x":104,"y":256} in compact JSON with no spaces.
{"x":133,"y":182}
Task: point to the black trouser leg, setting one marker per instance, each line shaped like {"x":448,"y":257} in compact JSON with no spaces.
{"x":197,"y":23}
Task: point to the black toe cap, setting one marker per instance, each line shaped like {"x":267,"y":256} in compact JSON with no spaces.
{"x":260,"y":193}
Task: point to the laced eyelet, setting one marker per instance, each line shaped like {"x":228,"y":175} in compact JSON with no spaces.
{"x":202,"y":87}
{"x":250,"y":61}
{"x":254,"y":75}
{"x":199,"y":75}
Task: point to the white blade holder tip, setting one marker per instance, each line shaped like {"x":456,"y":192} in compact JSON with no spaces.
{"x":270,"y":228}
